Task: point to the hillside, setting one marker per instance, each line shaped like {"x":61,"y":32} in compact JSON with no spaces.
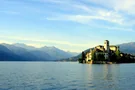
{"x":8,"y":55}
{"x":22,"y":52}
{"x":128,"y":47}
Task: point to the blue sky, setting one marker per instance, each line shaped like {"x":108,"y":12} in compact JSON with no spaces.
{"x":71,"y":25}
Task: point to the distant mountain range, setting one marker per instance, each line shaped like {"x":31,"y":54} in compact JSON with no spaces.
{"x":22,"y":52}
{"x":125,"y":48}
{"x":128,"y":47}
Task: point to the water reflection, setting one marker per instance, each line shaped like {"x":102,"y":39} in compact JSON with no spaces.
{"x":110,"y":71}
{"x":101,"y":76}
{"x":66,"y":76}
{"x":110,"y":76}
{"x":87,"y":77}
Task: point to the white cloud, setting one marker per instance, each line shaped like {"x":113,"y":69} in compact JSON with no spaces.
{"x":125,"y":5}
{"x":43,"y":41}
{"x":91,"y":12}
{"x":4,"y":41}
{"x":106,"y":16}
{"x":112,"y":17}
{"x":113,"y":11}
{"x":54,"y":1}
{"x":118,"y":5}
{"x":120,"y":29}
{"x":10,"y":12}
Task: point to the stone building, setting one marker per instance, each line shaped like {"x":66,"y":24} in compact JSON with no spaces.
{"x":105,"y":51}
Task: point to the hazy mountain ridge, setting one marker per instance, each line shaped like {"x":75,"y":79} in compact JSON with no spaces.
{"x":8,"y":55}
{"x":22,"y":52}
{"x":128,"y":47}
{"x":53,"y":51}
{"x":24,"y":46}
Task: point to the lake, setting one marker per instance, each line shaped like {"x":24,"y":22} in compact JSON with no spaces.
{"x":66,"y":76}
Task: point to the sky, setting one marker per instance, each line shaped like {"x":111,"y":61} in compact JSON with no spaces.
{"x":71,"y":25}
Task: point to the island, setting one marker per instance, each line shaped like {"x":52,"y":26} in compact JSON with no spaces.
{"x":107,"y":54}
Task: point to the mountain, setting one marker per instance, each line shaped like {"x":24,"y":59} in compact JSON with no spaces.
{"x":75,"y":58}
{"x":15,"y":49}
{"x":24,"y":46}
{"x":55,"y":52}
{"x":29,"y":55}
{"x":73,"y":53}
{"x":128,"y":47}
{"x":8,"y":55}
{"x":22,"y":52}
{"x":52,"y":51}
{"x":42,"y":56}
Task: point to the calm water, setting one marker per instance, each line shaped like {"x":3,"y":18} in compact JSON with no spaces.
{"x":66,"y":76}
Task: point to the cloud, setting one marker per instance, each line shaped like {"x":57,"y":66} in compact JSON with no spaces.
{"x":118,"y":5}
{"x":43,"y":41}
{"x":111,"y":17}
{"x":10,"y":12}
{"x":120,"y":29}
{"x":53,"y":1}
{"x":4,"y":41}
{"x":87,"y":12}
{"x":106,"y":10}
{"x":105,"y":16}
{"x":82,"y":7}
{"x":116,"y":12}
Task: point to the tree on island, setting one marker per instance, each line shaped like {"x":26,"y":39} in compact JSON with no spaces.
{"x":117,"y":54}
{"x":101,"y":57}
{"x":93,"y":55}
{"x":82,"y":58}
{"x":113,"y":58}
{"x":97,"y":57}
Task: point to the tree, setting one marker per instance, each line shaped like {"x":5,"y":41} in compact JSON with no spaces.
{"x":113,"y":58}
{"x":117,"y":53}
{"x":82,"y":58}
{"x":93,"y":55}
{"x":100,"y":57}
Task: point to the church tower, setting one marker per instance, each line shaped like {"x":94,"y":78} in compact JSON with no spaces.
{"x":106,"y":46}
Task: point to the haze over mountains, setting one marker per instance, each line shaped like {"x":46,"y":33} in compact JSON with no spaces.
{"x":22,"y":52}
{"x":128,"y":47}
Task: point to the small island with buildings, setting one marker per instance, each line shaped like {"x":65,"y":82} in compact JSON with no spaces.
{"x":107,"y":54}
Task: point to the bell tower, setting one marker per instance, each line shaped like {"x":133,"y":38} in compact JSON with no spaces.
{"x":106,"y":46}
